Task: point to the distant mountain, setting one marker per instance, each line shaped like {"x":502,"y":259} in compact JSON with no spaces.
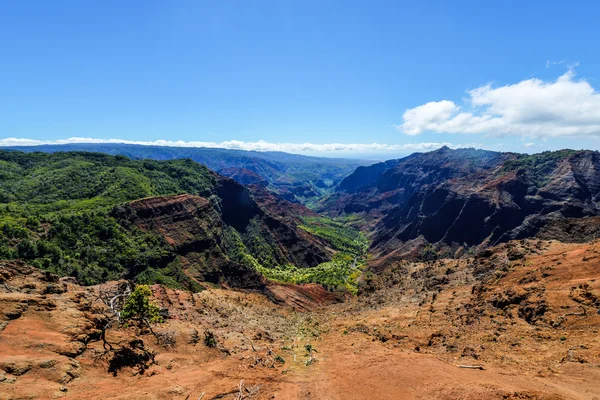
{"x":295,"y":177}
{"x":467,"y":197}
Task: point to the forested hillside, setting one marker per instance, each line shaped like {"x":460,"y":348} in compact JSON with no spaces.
{"x":98,"y":217}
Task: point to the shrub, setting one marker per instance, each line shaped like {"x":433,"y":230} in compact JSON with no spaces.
{"x":279,"y":359}
{"x":138,"y":306}
{"x":27,"y":250}
{"x":210,"y":339}
{"x":32,"y":223}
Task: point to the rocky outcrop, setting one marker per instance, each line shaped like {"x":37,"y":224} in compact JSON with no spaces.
{"x":469,"y":197}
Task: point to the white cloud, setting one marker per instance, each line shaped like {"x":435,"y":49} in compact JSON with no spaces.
{"x":260,"y":145}
{"x":531,"y":108}
{"x":530,"y":144}
{"x":427,"y":116}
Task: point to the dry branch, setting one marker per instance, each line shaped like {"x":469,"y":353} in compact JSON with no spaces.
{"x":479,"y":367}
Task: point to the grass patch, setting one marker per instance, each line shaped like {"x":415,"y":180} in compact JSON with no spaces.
{"x":340,"y":236}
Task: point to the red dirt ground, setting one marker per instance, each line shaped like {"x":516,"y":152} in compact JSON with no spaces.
{"x":518,"y":313}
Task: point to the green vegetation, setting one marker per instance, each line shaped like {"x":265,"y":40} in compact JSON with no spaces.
{"x":39,"y":183}
{"x":537,"y":166}
{"x":171,"y":275}
{"x":238,"y":251}
{"x":280,"y":170}
{"x":338,"y":274}
{"x":210,"y":340}
{"x":64,"y":213}
{"x":260,"y":243}
{"x":279,"y":359}
{"x":91,"y":246}
{"x":349,"y":218}
{"x":428,"y":253}
{"x":138,"y":307}
{"x":340,"y":236}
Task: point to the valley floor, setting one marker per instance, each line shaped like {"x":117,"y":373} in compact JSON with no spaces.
{"x":527,"y":313}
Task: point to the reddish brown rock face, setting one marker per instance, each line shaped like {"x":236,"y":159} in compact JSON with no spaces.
{"x":194,"y":228}
{"x":184,"y":221}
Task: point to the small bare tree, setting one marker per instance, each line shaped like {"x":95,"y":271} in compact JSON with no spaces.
{"x":113,"y":300}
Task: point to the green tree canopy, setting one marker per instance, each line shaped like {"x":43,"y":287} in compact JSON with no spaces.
{"x":139,"y":307}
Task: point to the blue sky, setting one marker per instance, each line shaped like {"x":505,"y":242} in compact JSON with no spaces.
{"x":299,"y":75}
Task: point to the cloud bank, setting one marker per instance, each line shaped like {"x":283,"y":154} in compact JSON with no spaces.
{"x":532,"y":108}
{"x":260,"y":145}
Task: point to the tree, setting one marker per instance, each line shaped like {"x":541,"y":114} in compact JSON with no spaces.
{"x":122,"y":305}
{"x":139,"y":308}
{"x":27,"y":249}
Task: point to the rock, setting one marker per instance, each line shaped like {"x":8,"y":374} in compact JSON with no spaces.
{"x":73,"y":349}
{"x":68,"y":280}
{"x":49,"y":277}
{"x":531,"y":311}
{"x":72,"y":372}
{"x":177,"y":390}
{"x":47,"y":364}
{"x":263,"y":335}
{"x":29,"y":286}
{"x":195,"y":227}
{"x":510,"y":296}
{"x":16,"y":311}
{"x":17,"y":368}
{"x":54,"y":288}
{"x":47,"y":305}
{"x":573,"y":357}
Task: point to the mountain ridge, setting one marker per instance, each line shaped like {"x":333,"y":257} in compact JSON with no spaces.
{"x":296,"y":177}
{"x":467,"y":197}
